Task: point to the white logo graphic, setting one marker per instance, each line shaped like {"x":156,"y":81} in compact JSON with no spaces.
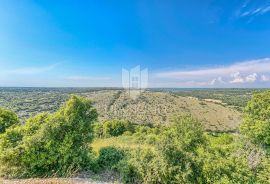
{"x":135,"y":81}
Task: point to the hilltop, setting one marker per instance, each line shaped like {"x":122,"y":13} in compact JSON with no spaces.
{"x":159,"y":107}
{"x":150,"y":107}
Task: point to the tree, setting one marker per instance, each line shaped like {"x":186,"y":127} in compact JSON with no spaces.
{"x":172,"y":160}
{"x":256,"y":120}
{"x":50,"y":144}
{"x":113,"y":128}
{"x":7,"y":119}
{"x":226,"y":159}
{"x":179,"y":149}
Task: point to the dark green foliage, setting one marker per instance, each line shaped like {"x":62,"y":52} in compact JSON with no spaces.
{"x":109,"y":157}
{"x":256,"y":121}
{"x":179,"y":146}
{"x":50,"y":144}
{"x":224,"y":161}
{"x":185,"y":154}
{"x":7,"y":119}
{"x":172,"y":160}
{"x":113,"y":128}
{"x":185,"y":133}
{"x":143,"y":166}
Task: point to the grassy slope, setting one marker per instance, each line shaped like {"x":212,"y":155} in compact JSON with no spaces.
{"x":157,"y":107}
{"x":150,"y":107}
{"x":125,"y":142}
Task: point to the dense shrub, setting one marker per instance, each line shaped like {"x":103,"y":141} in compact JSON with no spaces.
{"x":179,"y":145}
{"x":256,"y":121}
{"x":113,"y":128}
{"x":50,"y":144}
{"x":223,"y":158}
{"x":7,"y":119}
{"x":109,"y":157}
{"x":148,"y":134}
{"x":172,"y":160}
{"x":143,"y":166}
{"x":225,"y":162}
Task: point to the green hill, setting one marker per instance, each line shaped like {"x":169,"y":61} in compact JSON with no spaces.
{"x":159,"y":107}
{"x":149,"y":107}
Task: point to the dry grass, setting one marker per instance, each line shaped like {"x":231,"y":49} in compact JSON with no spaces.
{"x":124,"y":142}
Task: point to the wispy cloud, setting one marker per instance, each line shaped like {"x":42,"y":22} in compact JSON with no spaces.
{"x":239,"y":73}
{"x":260,"y":65}
{"x":258,"y":11}
{"x":265,"y":78}
{"x":87,"y":78}
{"x":30,"y":70}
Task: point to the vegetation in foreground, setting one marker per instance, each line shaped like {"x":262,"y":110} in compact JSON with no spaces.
{"x":71,"y":140}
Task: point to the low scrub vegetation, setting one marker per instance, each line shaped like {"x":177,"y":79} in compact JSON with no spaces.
{"x":49,"y":144}
{"x":72,"y":140}
{"x":150,"y":107}
{"x":113,"y":128}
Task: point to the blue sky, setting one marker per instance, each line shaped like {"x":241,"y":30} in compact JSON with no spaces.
{"x":192,"y":43}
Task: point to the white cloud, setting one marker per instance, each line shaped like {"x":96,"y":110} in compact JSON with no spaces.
{"x":237,"y":78}
{"x":218,"y":80}
{"x":87,"y":78}
{"x":258,"y":11}
{"x":169,"y":84}
{"x":29,"y":70}
{"x":264,"y":78}
{"x":253,"y":66}
{"x":251,"y":77}
{"x":244,"y":73}
{"x":265,"y":10}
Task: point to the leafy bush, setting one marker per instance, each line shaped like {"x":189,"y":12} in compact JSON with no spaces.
{"x":7,"y":119}
{"x":143,"y":166}
{"x":223,"y":162}
{"x":113,"y":128}
{"x":179,"y":146}
{"x":50,"y":144}
{"x":109,"y":157}
{"x":172,"y":160}
{"x":256,"y":121}
{"x":148,"y":134}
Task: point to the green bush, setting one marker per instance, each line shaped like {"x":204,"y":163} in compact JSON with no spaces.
{"x":127,"y":172}
{"x":7,"y":119}
{"x":256,"y":121}
{"x":113,"y":128}
{"x":148,"y":134}
{"x":226,"y":167}
{"x":231,"y":158}
{"x":179,"y":145}
{"x":109,"y":157}
{"x":173,"y":159}
{"x":143,"y":166}
{"x":50,"y":144}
